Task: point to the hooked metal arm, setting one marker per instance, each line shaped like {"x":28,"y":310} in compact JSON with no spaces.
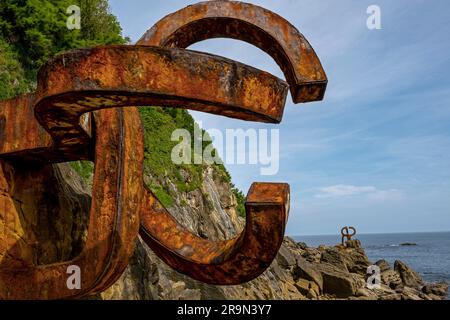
{"x":84,"y":108}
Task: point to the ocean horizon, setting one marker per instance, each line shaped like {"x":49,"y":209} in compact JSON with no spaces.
{"x":429,"y":256}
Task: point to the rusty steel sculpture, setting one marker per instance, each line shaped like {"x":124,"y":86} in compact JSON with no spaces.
{"x":82,"y":110}
{"x":346,"y":235}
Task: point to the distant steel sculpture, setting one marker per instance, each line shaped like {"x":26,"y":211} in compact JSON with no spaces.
{"x":347,"y":235}
{"x":81,"y":111}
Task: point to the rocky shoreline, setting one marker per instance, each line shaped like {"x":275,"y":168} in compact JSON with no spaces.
{"x":298,"y":272}
{"x":340,"y":272}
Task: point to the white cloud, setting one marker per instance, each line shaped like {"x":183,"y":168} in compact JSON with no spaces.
{"x":341,"y":190}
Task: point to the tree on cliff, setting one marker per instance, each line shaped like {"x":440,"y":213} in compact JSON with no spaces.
{"x":32,"y":31}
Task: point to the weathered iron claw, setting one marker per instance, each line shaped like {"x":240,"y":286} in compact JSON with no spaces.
{"x":253,"y":24}
{"x":229,"y":262}
{"x":114,"y":216}
{"x":346,"y":235}
{"x":81,"y":111}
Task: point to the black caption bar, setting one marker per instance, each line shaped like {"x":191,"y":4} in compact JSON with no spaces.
{"x":227,"y":310}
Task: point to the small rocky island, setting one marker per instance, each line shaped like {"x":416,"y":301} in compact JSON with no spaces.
{"x":408,"y":244}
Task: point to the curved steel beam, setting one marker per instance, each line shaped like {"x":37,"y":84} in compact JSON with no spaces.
{"x":216,"y":262}
{"x":75,"y":83}
{"x":90,"y":80}
{"x":253,"y":24}
{"x":113,"y":224}
{"x":161,"y":80}
{"x":228,"y":262}
{"x":86,"y":80}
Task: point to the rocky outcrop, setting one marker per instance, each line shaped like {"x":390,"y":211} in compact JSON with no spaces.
{"x":409,"y":277}
{"x":299,"y":272}
{"x":209,"y":212}
{"x":336,"y":281}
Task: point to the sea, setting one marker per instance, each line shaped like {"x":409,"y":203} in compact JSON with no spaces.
{"x":430,"y":256}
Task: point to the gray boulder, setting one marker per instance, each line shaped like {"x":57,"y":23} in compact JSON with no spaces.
{"x":383,"y":264}
{"x":336,"y":281}
{"x":285,"y":257}
{"x":438,"y":289}
{"x":356,"y":261}
{"x":335,"y":257}
{"x":391,"y":279}
{"x":409,"y":277}
{"x":307,"y":270}
{"x":354,"y":244}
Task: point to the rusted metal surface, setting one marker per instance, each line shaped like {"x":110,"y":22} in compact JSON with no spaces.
{"x":228,"y":262}
{"x":346,"y":235}
{"x":217,"y":263}
{"x":250,"y":23}
{"x":114,"y":217}
{"x":86,"y":80}
{"x":81,"y":110}
{"x":118,"y":76}
{"x":16,"y":122}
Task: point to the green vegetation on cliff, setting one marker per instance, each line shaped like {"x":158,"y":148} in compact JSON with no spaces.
{"x":12,"y":74}
{"x":32,"y":31}
{"x":240,"y":198}
{"x":36,"y":30}
{"x":159,"y":123}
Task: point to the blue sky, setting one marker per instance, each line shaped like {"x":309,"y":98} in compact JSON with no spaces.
{"x":375,"y":153}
